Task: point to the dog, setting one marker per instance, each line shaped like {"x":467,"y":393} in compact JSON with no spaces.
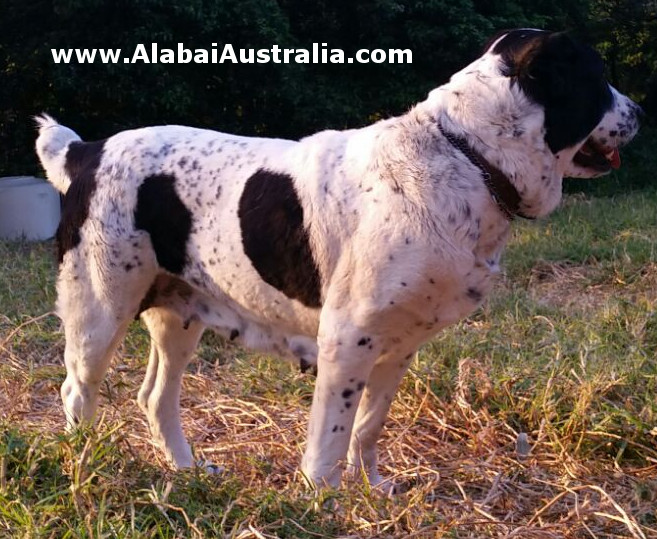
{"x":344,"y":251}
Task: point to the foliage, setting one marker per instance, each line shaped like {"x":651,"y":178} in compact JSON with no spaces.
{"x":626,"y":33}
{"x":288,"y":100}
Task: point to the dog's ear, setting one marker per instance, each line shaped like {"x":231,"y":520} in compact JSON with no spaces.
{"x":518,"y":49}
{"x":543,"y":63}
{"x":552,"y":66}
{"x":567,"y":79}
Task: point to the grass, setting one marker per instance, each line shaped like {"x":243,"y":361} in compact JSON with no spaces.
{"x":563,"y":354}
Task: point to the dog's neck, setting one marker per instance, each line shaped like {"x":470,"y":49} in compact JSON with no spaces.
{"x":501,"y":190}
{"x":502,"y":126}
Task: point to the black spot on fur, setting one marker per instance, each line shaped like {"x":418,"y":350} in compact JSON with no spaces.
{"x":364,"y":341}
{"x":234,"y":334}
{"x":563,"y":76}
{"x":474,"y":294}
{"x":189,"y":320}
{"x":360,"y":386}
{"x":274,"y":237}
{"x":347,"y":393}
{"x":161,"y":213}
{"x":82,"y":160}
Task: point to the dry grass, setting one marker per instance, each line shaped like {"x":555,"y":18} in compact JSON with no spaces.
{"x":535,"y":418}
{"x":466,"y":475}
{"x":588,"y":287}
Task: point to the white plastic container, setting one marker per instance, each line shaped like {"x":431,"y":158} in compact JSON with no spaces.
{"x":29,"y":208}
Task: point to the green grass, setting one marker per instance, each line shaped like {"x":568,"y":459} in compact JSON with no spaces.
{"x":564,"y":351}
{"x":615,"y":233}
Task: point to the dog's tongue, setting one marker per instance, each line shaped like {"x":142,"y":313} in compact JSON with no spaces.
{"x":614,"y":158}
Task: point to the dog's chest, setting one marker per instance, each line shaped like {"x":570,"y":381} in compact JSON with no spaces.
{"x":455,"y":282}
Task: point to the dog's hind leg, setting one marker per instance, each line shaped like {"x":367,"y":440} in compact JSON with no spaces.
{"x":93,"y":329}
{"x":173,"y":342}
{"x":97,"y":297}
{"x":90,"y":345}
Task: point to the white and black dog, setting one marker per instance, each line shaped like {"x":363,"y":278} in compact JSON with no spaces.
{"x":344,"y":251}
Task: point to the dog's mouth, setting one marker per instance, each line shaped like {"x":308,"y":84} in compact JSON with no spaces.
{"x":595,"y":156}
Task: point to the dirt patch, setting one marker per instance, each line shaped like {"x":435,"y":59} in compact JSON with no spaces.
{"x":581,"y":288}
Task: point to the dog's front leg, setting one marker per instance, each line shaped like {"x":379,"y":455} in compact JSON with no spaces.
{"x":372,"y":412}
{"x":346,"y":357}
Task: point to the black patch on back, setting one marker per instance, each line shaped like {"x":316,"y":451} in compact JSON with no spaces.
{"x":82,"y":160}
{"x":564,"y":77}
{"x":274,"y":237}
{"x":162,"y":214}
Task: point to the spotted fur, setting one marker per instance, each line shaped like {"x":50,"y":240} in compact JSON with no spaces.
{"x":343,"y":252}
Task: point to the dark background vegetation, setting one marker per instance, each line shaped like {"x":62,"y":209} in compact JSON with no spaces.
{"x":276,"y":99}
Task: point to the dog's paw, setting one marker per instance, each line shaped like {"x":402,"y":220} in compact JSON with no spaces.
{"x":390,"y":487}
{"x":210,"y":468}
{"x":372,"y":481}
{"x":378,"y":484}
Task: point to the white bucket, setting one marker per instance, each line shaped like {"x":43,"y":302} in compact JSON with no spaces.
{"x":29,"y":208}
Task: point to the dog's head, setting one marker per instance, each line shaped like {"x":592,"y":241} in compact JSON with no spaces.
{"x":586,"y":119}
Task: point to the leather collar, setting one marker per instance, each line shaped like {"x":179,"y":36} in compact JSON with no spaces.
{"x":501,"y":190}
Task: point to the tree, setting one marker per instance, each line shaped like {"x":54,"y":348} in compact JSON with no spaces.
{"x":285,"y":100}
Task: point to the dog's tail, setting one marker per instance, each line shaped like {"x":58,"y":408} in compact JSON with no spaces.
{"x":52,"y":146}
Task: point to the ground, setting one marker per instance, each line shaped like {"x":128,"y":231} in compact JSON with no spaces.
{"x":536,"y":417}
